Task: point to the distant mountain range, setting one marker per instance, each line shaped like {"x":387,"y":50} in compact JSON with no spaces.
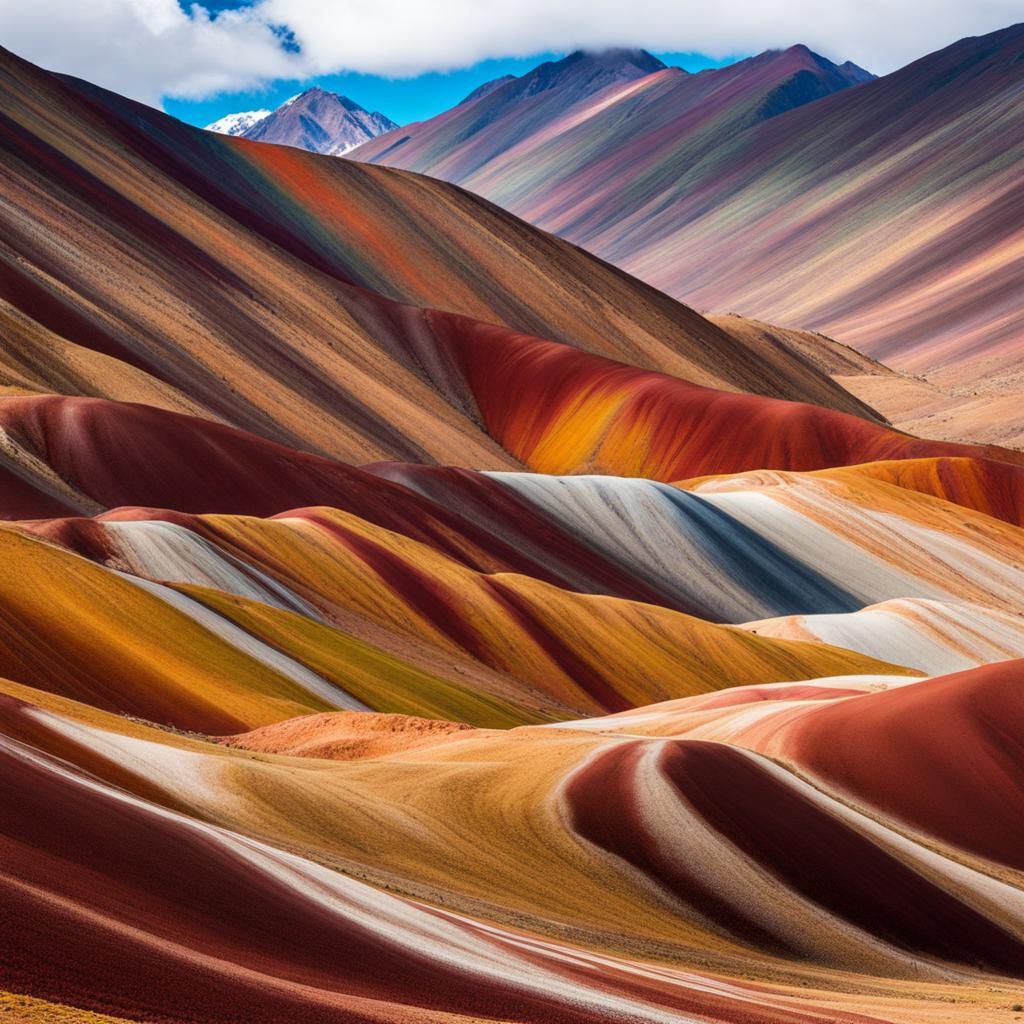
{"x":511,"y":115}
{"x":784,"y":187}
{"x":884,"y":212}
{"x":317,"y":120}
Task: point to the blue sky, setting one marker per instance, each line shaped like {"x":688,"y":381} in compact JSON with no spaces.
{"x":401,"y":99}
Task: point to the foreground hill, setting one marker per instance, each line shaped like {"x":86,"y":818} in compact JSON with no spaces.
{"x":485,"y":806}
{"x":624,"y":828}
{"x":886,"y":215}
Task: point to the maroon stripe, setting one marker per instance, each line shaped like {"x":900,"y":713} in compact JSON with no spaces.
{"x":606,"y":810}
{"x":587,"y":678}
{"x":831,"y":864}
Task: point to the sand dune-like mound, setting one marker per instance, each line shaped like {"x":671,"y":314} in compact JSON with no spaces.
{"x":341,"y":736}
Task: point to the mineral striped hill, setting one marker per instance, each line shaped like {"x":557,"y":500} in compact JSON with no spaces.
{"x":886,"y":213}
{"x":407,"y":617}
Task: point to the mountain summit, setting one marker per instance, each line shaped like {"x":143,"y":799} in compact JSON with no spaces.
{"x":585,"y":73}
{"x":499,"y":114}
{"x":238,"y":123}
{"x":317,"y":120}
{"x":575,"y":77}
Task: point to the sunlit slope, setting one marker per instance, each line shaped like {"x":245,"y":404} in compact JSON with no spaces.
{"x":887,"y":214}
{"x":654,"y":830}
{"x":288,"y":293}
{"x":242,"y":621}
{"x":223,"y":925}
{"x":559,"y":410}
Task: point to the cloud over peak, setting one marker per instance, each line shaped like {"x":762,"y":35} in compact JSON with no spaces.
{"x":155,"y":48}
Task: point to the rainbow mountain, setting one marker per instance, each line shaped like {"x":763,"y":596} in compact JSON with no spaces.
{"x":409,"y":617}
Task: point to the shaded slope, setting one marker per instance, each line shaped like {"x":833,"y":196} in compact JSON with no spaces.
{"x":744,"y":801}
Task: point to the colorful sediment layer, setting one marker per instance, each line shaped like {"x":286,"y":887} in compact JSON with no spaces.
{"x":695,"y":768}
{"x":406,"y":618}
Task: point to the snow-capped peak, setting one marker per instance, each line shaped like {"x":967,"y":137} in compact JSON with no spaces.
{"x":238,"y":124}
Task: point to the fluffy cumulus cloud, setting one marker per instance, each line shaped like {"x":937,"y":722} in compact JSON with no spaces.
{"x":148,"y":49}
{"x":154,"y":48}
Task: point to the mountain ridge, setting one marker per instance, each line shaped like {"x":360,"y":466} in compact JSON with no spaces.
{"x":798,"y":208}
{"x":286,"y":307}
{"x":572,"y":82}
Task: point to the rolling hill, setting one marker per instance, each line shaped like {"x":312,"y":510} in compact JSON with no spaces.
{"x":409,"y":618}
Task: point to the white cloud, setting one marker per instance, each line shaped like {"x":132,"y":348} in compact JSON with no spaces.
{"x":402,"y":37}
{"x":152,"y":48}
{"x":147,"y":48}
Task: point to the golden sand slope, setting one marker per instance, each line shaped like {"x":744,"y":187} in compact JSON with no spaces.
{"x":19,"y":1009}
{"x":386,"y":623}
{"x":488,"y":823}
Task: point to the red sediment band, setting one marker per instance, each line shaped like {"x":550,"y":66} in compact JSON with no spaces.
{"x":945,"y":755}
{"x":606,"y":810}
{"x":421,"y":591}
{"x":825,"y":860}
{"x":532,"y":391}
{"x":575,"y":667}
{"x":23,"y":498}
